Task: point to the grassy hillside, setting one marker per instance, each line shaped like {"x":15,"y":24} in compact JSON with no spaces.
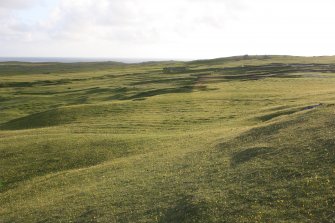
{"x":241,"y":139}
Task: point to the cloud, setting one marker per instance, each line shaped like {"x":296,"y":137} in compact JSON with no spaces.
{"x":132,"y":21}
{"x":15,"y":17}
{"x":137,"y":20}
{"x":167,"y":28}
{"x":18,"y":4}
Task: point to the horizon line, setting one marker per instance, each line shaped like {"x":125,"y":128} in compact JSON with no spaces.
{"x":61,"y":59}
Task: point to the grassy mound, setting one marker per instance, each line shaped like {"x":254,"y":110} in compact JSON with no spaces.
{"x":44,"y":119}
{"x":56,"y":153}
{"x":283,"y":171}
{"x":61,"y":116}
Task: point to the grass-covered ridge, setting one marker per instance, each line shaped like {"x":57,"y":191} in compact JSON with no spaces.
{"x":241,"y":139}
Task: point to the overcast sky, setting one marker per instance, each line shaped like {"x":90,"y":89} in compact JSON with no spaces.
{"x":173,"y":29}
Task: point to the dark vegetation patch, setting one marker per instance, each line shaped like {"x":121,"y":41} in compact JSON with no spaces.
{"x":119,"y":93}
{"x":160,"y":80}
{"x":12,"y":68}
{"x":123,"y":94}
{"x":2,"y":184}
{"x":247,"y":73}
{"x":276,"y":114}
{"x":187,"y":209}
{"x":151,"y":93}
{"x":277,"y":108}
{"x":127,"y":76}
{"x":89,"y":216}
{"x":312,"y":106}
{"x":248,"y":77}
{"x":3,"y":99}
{"x":36,"y":83}
{"x":249,"y":154}
{"x":175,"y":70}
{"x":76,"y":92}
{"x":76,"y":101}
{"x":230,"y":59}
{"x":272,"y":115}
{"x":278,"y":68}
{"x":275,"y":68}
{"x":97,"y":90}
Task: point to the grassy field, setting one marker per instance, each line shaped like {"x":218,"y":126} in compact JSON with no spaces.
{"x":241,"y":139}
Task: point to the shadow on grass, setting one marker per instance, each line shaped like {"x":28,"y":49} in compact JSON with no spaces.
{"x":36,"y":83}
{"x":187,"y":209}
{"x":249,"y":154}
{"x":124,"y":95}
{"x":89,"y":215}
{"x":39,"y":120}
{"x":184,"y":89}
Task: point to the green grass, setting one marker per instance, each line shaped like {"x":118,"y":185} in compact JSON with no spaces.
{"x":241,"y":139}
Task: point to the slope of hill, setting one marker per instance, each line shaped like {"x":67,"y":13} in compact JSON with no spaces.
{"x":242,"y":139}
